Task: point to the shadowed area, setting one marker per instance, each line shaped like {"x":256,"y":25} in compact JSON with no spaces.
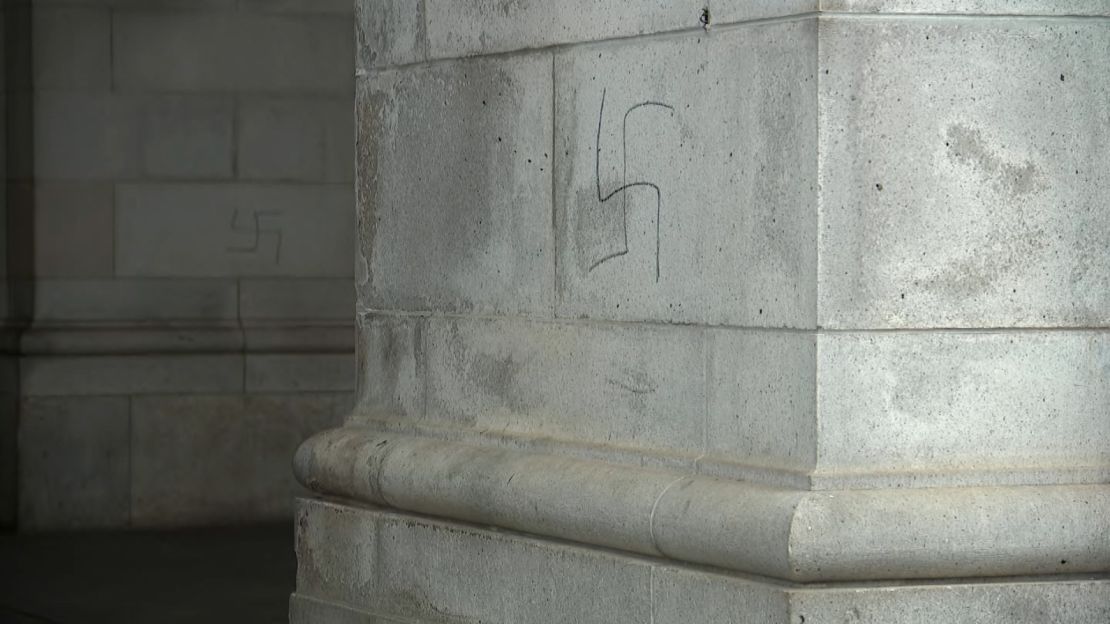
{"x":213,"y":575}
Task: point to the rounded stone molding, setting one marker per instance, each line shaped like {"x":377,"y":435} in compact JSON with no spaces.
{"x":793,"y":535}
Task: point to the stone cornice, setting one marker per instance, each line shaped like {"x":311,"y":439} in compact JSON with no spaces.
{"x":793,"y":535}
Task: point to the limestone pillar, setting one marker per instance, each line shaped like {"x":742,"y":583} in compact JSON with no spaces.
{"x":773,"y":312}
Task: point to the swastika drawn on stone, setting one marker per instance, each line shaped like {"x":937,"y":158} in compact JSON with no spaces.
{"x":625,"y":184}
{"x":255,"y":229}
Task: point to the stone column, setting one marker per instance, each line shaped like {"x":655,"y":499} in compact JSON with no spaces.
{"x":772,"y":312}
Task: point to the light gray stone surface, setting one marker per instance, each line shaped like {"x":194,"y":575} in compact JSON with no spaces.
{"x":681,"y":596}
{"x":623,"y":386}
{"x":973,"y":7}
{"x":945,"y":402}
{"x":719,"y":226}
{"x":785,"y":533}
{"x":992,"y":214}
{"x":74,"y":463}
{"x":348,"y":568}
{"x":762,"y":389}
{"x":463,"y":227}
{"x":484,"y":26}
{"x":1064,"y":601}
{"x":389,"y":32}
{"x":397,"y":565}
{"x":391,"y":367}
{"x":860,"y":363}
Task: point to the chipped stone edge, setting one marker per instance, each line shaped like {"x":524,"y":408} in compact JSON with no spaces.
{"x":793,"y":535}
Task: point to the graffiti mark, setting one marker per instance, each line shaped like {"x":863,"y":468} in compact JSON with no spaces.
{"x":255,"y":230}
{"x":625,"y":184}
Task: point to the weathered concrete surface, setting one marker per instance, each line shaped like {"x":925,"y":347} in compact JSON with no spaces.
{"x":932,"y":403}
{"x":463,"y":227}
{"x":633,"y":386}
{"x":972,"y":7}
{"x":365,"y":565}
{"x":753,"y":314}
{"x":672,"y":207}
{"x":784,"y":533}
{"x":964,"y":194}
{"x":465,"y":28}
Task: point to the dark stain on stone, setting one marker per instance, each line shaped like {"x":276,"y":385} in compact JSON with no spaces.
{"x":968,"y":147}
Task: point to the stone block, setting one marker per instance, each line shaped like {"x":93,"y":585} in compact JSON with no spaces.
{"x":131,"y":374}
{"x":300,"y":372}
{"x":732,"y":11}
{"x":974,"y":7}
{"x":296,"y":299}
{"x":681,"y":596}
{"x":72,"y":48}
{"x":364,"y":564}
{"x":187,"y":137}
{"x":198,"y":230}
{"x":161,"y":51}
{"x":391,"y":366}
{"x":464,"y":226}
{"x":485,"y":26}
{"x":73,"y":229}
{"x":672,"y":207}
{"x":640,"y":387}
{"x":85,"y":136}
{"x":389,"y":32}
{"x":1071,"y":601}
{"x":762,"y":387}
{"x":993,"y":212}
{"x":74,"y":463}
{"x":419,"y":569}
{"x":930,"y":405}
{"x":296,"y":139}
{"x":122,"y":300}
{"x":219,"y":460}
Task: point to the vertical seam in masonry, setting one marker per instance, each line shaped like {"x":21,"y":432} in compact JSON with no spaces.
{"x":424,"y":17}
{"x":554,"y":207}
{"x":706,"y":372}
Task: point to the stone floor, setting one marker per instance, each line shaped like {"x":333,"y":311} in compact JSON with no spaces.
{"x":211,"y":576}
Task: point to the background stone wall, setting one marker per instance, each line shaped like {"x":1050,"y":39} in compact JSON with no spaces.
{"x":186,"y":194}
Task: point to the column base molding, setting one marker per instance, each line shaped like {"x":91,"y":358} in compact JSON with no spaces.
{"x":786,"y":534}
{"x":359,"y":565}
